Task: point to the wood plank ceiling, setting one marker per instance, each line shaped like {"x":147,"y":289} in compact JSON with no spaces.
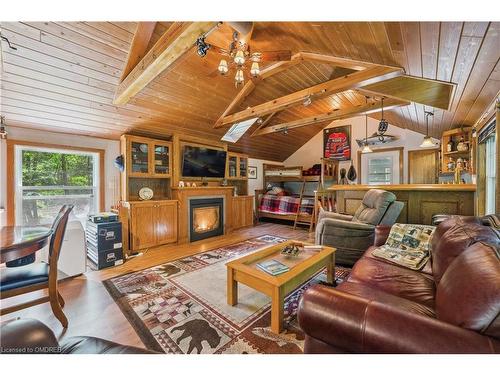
{"x":63,"y":77}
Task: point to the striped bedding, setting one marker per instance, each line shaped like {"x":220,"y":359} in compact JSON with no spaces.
{"x":285,"y":205}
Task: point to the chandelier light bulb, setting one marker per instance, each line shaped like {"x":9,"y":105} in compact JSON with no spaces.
{"x":239,"y":58}
{"x":223,"y":67}
{"x":255,"y":69}
{"x":239,"y":77}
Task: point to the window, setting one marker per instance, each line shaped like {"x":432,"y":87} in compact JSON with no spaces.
{"x":380,"y":171}
{"x":381,"y":167}
{"x":236,"y":131}
{"x":47,"y":178}
{"x":490,"y":174}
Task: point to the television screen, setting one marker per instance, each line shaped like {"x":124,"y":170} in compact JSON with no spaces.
{"x":203,"y":162}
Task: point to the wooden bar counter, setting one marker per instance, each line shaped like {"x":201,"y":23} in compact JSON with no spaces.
{"x":421,"y":201}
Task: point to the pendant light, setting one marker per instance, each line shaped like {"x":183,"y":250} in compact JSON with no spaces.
{"x":383,"y":124}
{"x":427,"y":142}
{"x":366,"y":149}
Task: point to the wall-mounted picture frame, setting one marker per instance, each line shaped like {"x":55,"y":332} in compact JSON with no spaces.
{"x":337,"y":143}
{"x":252,"y":173}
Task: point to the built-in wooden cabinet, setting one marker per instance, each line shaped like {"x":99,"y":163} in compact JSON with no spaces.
{"x":457,"y":147}
{"x":157,"y":164}
{"x":237,"y":172}
{"x":147,"y":157}
{"x":242,"y":211}
{"x":152,"y":223}
{"x":237,"y":166}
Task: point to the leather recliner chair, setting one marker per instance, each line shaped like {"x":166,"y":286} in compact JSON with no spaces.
{"x":30,"y":336}
{"x":452,"y":305}
{"x":352,"y":235}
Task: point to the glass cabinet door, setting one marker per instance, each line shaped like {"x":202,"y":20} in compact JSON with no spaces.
{"x":161,"y":161}
{"x":139,"y":154}
{"x":233,"y":166}
{"x":243,"y":167}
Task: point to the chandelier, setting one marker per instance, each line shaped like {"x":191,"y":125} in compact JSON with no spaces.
{"x":240,"y":56}
{"x":238,"y":59}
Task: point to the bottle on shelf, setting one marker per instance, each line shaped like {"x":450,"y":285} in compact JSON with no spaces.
{"x":449,"y":146}
{"x":451,"y":164}
{"x":462,"y":145}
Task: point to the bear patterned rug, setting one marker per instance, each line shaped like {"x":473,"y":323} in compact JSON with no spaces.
{"x":180,"y":307}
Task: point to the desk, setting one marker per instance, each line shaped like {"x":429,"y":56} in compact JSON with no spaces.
{"x":17,"y":242}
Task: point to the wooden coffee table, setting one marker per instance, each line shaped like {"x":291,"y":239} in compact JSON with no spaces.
{"x":302,"y":268}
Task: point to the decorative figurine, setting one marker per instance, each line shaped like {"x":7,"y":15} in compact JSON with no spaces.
{"x":291,"y":250}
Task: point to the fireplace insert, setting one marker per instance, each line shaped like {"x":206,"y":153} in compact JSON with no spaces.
{"x":206,"y":218}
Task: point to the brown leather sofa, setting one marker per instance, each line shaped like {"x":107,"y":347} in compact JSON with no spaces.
{"x":451,"y":306}
{"x":30,"y":336}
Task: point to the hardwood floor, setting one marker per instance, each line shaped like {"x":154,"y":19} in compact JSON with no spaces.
{"x":92,"y":312}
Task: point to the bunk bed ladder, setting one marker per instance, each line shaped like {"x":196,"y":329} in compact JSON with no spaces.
{"x":298,"y":219}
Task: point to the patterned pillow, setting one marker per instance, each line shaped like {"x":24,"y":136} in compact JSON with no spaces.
{"x":411,"y":237}
{"x":407,"y":245}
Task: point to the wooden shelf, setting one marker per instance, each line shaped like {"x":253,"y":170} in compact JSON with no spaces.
{"x":457,"y":152}
{"x":455,"y":135}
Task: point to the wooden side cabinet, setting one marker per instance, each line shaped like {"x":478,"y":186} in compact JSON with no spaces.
{"x":242,"y":211}
{"x":152,"y":223}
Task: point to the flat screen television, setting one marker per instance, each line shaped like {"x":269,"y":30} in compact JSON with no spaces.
{"x":203,"y":162}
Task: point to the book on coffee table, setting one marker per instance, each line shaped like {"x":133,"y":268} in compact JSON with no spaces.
{"x":273,"y":267}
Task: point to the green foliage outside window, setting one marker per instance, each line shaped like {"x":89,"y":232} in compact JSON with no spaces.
{"x":57,"y":169}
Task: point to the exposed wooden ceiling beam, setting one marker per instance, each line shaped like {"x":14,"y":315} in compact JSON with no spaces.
{"x":138,"y":47}
{"x":250,"y":85}
{"x":242,"y":94}
{"x":429,"y":92}
{"x":331,"y":116}
{"x":245,"y":29}
{"x":177,"y":40}
{"x":264,"y":123}
{"x":350,"y":81}
{"x":337,"y":61}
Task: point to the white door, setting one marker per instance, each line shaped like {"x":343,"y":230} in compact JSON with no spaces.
{"x":380,"y":168}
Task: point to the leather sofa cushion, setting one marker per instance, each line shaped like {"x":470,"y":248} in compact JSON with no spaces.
{"x":369,"y":254}
{"x":462,"y":233}
{"x":415,"y":286}
{"x":18,"y":277}
{"x":373,"y":207}
{"x":94,"y":345}
{"x":365,"y":291}
{"x":21,"y":336}
{"x":469,"y":292}
{"x":447,"y":224}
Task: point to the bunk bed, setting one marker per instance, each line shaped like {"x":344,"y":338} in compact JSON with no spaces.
{"x":289,"y":192}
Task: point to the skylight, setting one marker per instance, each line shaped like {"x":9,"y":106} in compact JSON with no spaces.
{"x":236,"y":131}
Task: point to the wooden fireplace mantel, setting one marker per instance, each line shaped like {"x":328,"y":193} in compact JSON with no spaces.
{"x":183,"y":194}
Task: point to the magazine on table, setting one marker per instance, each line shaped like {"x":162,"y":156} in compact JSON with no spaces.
{"x":273,"y":267}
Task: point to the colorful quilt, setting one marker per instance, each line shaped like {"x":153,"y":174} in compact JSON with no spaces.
{"x":285,"y":205}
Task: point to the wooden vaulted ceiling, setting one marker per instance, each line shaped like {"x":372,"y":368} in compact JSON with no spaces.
{"x":64,"y":75}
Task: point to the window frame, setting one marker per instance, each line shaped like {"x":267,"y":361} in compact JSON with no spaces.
{"x":400,"y":150}
{"x":12,"y":172}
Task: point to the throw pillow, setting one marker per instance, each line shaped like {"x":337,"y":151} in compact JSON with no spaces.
{"x":407,"y":245}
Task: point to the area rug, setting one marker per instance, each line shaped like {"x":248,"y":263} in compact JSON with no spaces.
{"x":180,"y":307}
